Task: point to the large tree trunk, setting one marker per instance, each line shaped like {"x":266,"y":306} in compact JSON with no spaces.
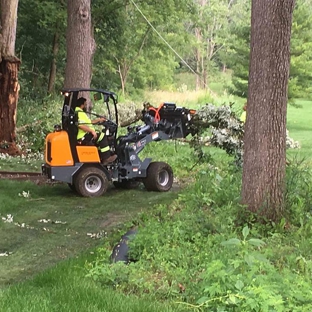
{"x":9,"y":66}
{"x":265,"y":129}
{"x":80,"y":44}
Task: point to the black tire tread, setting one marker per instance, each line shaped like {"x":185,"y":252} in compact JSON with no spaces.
{"x":151,"y":182}
{"x":83,"y":175}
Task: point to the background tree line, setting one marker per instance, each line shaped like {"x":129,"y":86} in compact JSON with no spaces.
{"x":208,"y":36}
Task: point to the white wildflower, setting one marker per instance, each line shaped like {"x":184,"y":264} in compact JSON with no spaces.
{"x":5,"y":254}
{"x":97,"y":235}
{"x":44,"y":220}
{"x":8,"y":218}
{"x":24,"y":194}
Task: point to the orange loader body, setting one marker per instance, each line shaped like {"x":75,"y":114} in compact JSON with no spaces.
{"x":58,"y":151}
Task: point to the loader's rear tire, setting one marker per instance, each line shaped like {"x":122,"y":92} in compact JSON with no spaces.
{"x":126,"y":184}
{"x":91,"y":182}
{"x":159,"y":177}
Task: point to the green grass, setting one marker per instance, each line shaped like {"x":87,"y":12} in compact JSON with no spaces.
{"x":38,"y":245}
{"x":20,"y":164}
{"x":64,"y":288}
{"x":300,"y":127}
{"x":30,"y":280}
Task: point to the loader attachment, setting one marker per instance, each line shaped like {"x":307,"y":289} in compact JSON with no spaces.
{"x":174,"y":121}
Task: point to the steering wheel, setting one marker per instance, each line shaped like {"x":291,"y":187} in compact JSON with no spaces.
{"x":111,"y":125}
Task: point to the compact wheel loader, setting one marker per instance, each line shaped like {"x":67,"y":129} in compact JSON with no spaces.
{"x":80,"y":166}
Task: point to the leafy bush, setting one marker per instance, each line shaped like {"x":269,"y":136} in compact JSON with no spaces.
{"x":227,"y":131}
{"x":35,"y":121}
{"x":298,"y":195}
{"x":195,"y":253}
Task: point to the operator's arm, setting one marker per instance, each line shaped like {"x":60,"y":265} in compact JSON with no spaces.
{"x":95,"y":121}
{"x":87,"y":129}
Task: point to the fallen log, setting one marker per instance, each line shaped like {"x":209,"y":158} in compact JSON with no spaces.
{"x":130,"y":120}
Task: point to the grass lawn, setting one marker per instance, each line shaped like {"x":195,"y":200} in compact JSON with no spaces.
{"x":299,"y":124}
{"x":8,"y":163}
{"x":53,"y":223}
{"x":64,"y":288}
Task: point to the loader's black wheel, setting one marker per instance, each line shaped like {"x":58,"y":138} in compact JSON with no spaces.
{"x":91,"y":182}
{"x":126,"y":184}
{"x":159,"y":177}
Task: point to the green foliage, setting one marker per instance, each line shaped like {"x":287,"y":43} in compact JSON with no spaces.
{"x":246,"y":280}
{"x":179,"y":230}
{"x":129,"y":50}
{"x":195,"y":253}
{"x":210,"y":28}
{"x":126,"y":45}
{"x":301,"y":58}
{"x":237,"y":56}
{"x":35,"y":120}
{"x":208,"y":37}
{"x":38,"y":23}
{"x":298,"y":196}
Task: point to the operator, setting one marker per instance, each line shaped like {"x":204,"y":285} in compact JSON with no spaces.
{"x":87,"y":134}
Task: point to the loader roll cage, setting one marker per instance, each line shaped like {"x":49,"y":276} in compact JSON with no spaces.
{"x":69,"y":117}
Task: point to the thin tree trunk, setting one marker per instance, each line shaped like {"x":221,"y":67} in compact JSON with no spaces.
{"x":265,"y":129}
{"x":198,"y":58}
{"x":124,"y":65}
{"x":55,"y":50}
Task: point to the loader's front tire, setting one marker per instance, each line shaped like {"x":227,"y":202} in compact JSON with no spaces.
{"x":159,"y":177}
{"x":91,"y":182}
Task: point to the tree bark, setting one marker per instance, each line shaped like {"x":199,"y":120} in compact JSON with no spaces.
{"x":80,"y":45}
{"x":265,"y":129}
{"x":9,"y":66}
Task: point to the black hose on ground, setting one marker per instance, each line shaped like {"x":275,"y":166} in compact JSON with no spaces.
{"x":121,"y":250}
